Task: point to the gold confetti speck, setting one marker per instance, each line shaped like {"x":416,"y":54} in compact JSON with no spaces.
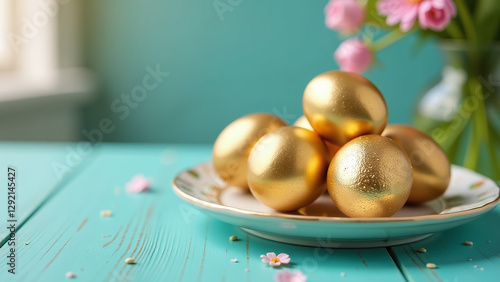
{"x":129,"y":260}
{"x":342,"y":274}
{"x":482,"y":268}
{"x":475,"y":266}
{"x":70,"y":274}
{"x":468,"y":243}
{"x":421,"y":250}
{"x":233,"y":238}
{"x":470,"y":259}
{"x":234,"y":260}
{"x":106,"y":213}
{"x":247,"y":269}
{"x":430,"y":265}
{"x":27,"y":243}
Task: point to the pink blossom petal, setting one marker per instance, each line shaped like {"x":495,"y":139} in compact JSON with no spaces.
{"x":265,"y":259}
{"x":403,"y":12}
{"x":272,"y":263}
{"x":285,"y":260}
{"x":288,"y":276}
{"x":283,"y":256}
{"x":271,"y":255}
{"x":138,"y":184}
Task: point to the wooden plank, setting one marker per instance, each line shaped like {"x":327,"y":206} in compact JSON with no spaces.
{"x":169,"y":240}
{"x":36,"y":178}
{"x":456,"y":261}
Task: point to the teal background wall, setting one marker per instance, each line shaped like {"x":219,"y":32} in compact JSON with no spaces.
{"x":256,"y":57}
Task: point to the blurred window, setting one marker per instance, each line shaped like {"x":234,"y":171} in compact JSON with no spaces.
{"x":6,"y":56}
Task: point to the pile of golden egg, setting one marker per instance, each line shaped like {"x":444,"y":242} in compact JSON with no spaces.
{"x":341,"y":143}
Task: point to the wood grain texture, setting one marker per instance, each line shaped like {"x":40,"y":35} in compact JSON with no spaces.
{"x":456,"y":261}
{"x":36,"y":178}
{"x":169,"y":240}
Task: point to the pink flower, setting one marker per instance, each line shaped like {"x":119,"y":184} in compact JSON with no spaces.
{"x":344,"y":15}
{"x":353,"y":55}
{"x":138,"y":184}
{"x":436,"y":14}
{"x":403,"y":12}
{"x":274,"y":260}
{"x":288,"y":276}
{"x":432,"y":14}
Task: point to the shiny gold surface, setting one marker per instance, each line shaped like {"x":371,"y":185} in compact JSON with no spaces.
{"x":234,"y":143}
{"x":341,"y":106}
{"x":287,"y":168}
{"x":431,"y":168}
{"x":370,"y":176}
{"x":304,"y":123}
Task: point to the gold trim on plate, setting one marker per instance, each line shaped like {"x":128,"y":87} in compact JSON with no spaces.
{"x":220,"y":207}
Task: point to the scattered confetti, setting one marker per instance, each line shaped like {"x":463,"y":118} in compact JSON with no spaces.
{"x":475,"y":266}
{"x":70,"y":274}
{"x":468,"y":243}
{"x":233,"y":238}
{"x":129,"y":260}
{"x":27,"y":243}
{"x":274,"y":260}
{"x":482,"y":268}
{"x":106,"y":213}
{"x":421,"y":250}
{"x":138,"y":184}
{"x":286,"y":276}
{"x":430,"y":265}
{"x":234,"y":260}
{"x":247,"y":269}
{"x":105,"y":236}
{"x":470,"y":259}
{"x":489,"y":241}
{"x":342,"y":274}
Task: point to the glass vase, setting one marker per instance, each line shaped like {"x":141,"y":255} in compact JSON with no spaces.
{"x":461,"y":111}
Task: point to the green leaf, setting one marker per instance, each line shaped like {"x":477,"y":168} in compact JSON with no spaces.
{"x":487,"y":20}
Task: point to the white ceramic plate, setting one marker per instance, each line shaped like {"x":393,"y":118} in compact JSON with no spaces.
{"x":322,"y":224}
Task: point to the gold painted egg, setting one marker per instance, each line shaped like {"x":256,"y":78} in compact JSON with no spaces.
{"x":287,"y":168}
{"x":233,"y":145}
{"x":431,"y":168}
{"x":341,"y":106}
{"x":370,"y":176}
{"x":304,"y":123}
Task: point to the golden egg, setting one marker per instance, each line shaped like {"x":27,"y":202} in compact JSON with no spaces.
{"x":287,"y":168}
{"x":370,"y":176}
{"x":234,"y":143}
{"x":431,"y":168}
{"x":304,"y":123}
{"x":341,"y":106}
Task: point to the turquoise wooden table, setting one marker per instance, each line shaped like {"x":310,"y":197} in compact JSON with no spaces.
{"x":62,"y":189}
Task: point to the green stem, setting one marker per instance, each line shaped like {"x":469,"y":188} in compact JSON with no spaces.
{"x":455,"y":128}
{"x":491,"y":148}
{"x":454,"y":30}
{"x":484,"y":126}
{"x":467,"y":22}
{"x":388,"y":39}
{"x":471,"y":156}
